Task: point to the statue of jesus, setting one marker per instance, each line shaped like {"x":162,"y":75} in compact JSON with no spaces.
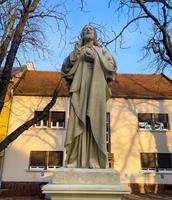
{"x":88,"y":70}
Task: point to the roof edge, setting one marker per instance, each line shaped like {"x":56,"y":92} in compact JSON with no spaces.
{"x":40,"y":95}
{"x":112,"y":97}
{"x":142,"y":97}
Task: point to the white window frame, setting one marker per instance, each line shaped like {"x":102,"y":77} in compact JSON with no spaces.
{"x":36,"y":168}
{"x":57,"y":125}
{"x":50,"y":123}
{"x":52,"y":168}
{"x":41,"y":125}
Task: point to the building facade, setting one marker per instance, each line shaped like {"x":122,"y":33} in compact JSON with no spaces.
{"x":139,"y":136}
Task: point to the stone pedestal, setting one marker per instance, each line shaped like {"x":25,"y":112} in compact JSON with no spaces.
{"x":84,"y":184}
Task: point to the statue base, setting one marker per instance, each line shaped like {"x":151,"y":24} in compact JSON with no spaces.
{"x":80,"y":183}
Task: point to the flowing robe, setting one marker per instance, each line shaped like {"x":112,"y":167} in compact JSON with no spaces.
{"x":86,"y":131}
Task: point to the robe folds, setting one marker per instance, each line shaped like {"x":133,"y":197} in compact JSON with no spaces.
{"x":86,"y":131}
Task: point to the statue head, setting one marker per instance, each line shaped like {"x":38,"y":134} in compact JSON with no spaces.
{"x":88,"y":33}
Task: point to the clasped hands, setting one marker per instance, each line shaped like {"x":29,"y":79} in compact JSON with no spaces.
{"x":86,"y":54}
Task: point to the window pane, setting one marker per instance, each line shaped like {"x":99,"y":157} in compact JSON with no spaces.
{"x":45,"y":123}
{"x":164,"y":160}
{"x":58,"y":119}
{"x":145,"y":117}
{"x":38,"y":158}
{"x":55,"y":158}
{"x":57,"y":116}
{"x":145,"y":121}
{"x":148,"y":160}
{"x":44,"y":120}
{"x":161,"y":121}
{"x":62,"y":124}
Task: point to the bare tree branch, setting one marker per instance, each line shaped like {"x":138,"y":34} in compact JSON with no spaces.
{"x":149,"y":14}
{"x":82,"y":4}
{"x":25,"y":30}
{"x":6,"y":41}
{"x":159,"y":17}
{"x":166,"y":38}
{"x":124,"y":28}
{"x":33,"y":6}
{"x":164,"y":16}
{"x":6,"y":74}
{"x":22,"y":25}
{"x":23,"y":4}
{"x":159,"y":1}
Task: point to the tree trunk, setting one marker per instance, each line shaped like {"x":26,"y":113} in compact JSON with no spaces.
{"x":6,"y":74}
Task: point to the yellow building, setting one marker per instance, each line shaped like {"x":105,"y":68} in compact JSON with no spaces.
{"x":139,"y":136}
{"x":4,"y":119}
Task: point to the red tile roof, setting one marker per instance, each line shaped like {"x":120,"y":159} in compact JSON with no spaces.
{"x":142,"y":86}
{"x":43,"y":83}
{"x":40,"y":83}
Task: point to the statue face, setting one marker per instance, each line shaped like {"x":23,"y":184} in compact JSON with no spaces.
{"x":88,"y":33}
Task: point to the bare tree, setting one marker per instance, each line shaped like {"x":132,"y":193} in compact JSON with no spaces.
{"x":156,"y":14}
{"x":22,"y":24}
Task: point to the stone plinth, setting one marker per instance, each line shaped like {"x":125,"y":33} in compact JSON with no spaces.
{"x":92,"y":184}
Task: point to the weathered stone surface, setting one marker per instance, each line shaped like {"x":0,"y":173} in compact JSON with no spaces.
{"x":79,"y":183}
{"x":86,"y":176}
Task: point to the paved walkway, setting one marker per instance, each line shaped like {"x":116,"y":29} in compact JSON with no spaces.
{"x":126,"y":197}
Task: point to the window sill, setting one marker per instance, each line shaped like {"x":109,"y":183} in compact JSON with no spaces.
{"x":48,"y":128}
{"x":156,"y":172}
{"x":41,"y":170}
{"x":144,"y":130}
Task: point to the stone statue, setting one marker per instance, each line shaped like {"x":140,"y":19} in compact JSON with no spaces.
{"x":88,"y":71}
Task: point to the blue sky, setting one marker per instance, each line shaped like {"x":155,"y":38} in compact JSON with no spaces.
{"x":128,"y":59}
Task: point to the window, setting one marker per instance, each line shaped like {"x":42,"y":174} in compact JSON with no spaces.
{"x":153,"y":121}
{"x":38,"y":159}
{"x":148,"y":160}
{"x":55,"y":159}
{"x":156,"y":161}
{"x":108,"y":131}
{"x":44,"y":122}
{"x":45,"y":159}
{"x":57,"y":119}
{"x":164,"y":161}
{"x":54,"y":119}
